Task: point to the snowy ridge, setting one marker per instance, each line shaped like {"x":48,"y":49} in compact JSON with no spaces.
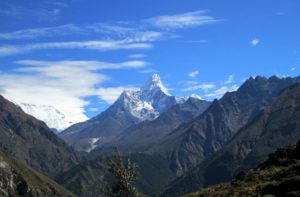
{"x":54,"y":119}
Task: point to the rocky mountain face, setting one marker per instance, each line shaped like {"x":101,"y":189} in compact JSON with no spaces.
{"x":192,"y":142}
{"x":140,"y":137}
{"x":274,"y":127}
{"x":131,"y":108}
{"x":55,"y":120}
{"x":16,"y":179}
{"x":32,"y":142}
{"x":277,"y":176}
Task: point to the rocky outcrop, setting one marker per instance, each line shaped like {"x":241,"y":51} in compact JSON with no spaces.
{"x":18,"y":180}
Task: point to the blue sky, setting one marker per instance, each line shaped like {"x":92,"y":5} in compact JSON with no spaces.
{"x":79,"y":55}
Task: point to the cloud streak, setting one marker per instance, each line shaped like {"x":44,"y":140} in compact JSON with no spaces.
{"x":185,"y":20}
{"x":204,"y":87}
{"x":193,"y":74}
{"x":62,"y":84}
{"x":119,"y":29}
{"x":100,"y":45}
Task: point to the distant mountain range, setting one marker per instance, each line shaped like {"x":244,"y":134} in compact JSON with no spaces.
{"x":131,"y":108}
{"x":180,"y":144}
{"x":54,"y":119}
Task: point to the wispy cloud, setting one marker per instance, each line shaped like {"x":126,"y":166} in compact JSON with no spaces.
{"x":293,"y":68}
{"x":137,"y":56}
{"x":221,"y":91}
{"x":230,"y":79}
{"x":110,"y":95}
{"x":22,"y":13}
{"x":177,"y":21}
{"x":147,"y":71}
{"x":71,"y":29}
{"x":116,"y":35}
{"x":193,"y":74}
{"x":145,"y":28}
{"x":62,"y":84}
{"x":255,"y":42}
{"x":101,"y":45}
{"x":204,"y":87}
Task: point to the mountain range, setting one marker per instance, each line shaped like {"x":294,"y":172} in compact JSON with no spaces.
{"x":131,"y":108}
{"x":189,"y":133}
{"x":181,"y":144}
{"x":276,"y":126}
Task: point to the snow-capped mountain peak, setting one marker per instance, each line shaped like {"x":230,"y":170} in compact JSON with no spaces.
{"x":54,"y":119}
{"x":196,"y":96}
{"x":147,"y":103}
{"x":154,"y":84}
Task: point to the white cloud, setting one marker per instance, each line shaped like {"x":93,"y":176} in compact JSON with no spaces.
{"x":204,"y":87}
{"x":194,"y":73}
{"x":110,"y":95}
{"x":189,"y":19}
{"x":24,"y":13}
{"x":229,"y":80}
{"x":293,"y":68}
{"x":106,"y":45}
{"x":141,"y":30}
{"x":255,"y":42}
{"x":188,"y":83}
{"x":137,"y":56}
{"x":93,"y":109}
{"x":62,"y":84}
{"x":221,"y":91}
{"x":41,"y":32}
{"x":147,"y":71}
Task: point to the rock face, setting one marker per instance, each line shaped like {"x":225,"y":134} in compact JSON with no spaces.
{"x":277,"y":176}
{"x":142,"y":136}
{"x":131,"y":108}
{"x":191,"y":143}
{"x":55,"y":120}
{"x":274,"y":127}
{"x":18,"y":180}
{"x":32,"y":142}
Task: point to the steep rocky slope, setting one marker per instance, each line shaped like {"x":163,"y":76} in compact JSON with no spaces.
{"x":192,"y":142}
{"x":16,"y":179}
{"x":140,"y":137}
{"x":32,"y":142}
{"x":279,"y":175}
{"x":276,"y":126}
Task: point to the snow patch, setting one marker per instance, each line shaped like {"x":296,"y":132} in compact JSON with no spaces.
{"x":92,"y":143}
